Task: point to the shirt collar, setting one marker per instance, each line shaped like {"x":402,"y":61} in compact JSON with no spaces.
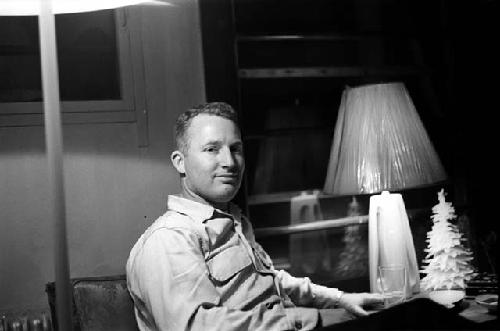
{"x":199,"y":211}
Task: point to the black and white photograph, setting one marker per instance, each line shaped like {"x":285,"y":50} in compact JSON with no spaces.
{"x":241,"y":165}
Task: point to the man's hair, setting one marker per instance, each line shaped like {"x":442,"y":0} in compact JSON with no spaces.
{"x":220,"y":109}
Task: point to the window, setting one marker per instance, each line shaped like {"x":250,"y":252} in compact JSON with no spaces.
{"x":100,"y":69}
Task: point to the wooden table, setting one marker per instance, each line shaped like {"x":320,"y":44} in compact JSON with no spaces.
{"x":475,"y":312}
{"x":469,"y":309}
{"x":421,"y":313}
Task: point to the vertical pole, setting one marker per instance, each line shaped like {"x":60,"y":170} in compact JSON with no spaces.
{"x":53,"y":140}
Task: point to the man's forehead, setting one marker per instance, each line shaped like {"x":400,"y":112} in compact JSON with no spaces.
{"x":208,"y":122}
{"x":207,"y":128}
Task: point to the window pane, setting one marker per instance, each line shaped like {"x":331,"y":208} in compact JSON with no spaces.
{"x":19,"y":59}
{"x":87,"y":56}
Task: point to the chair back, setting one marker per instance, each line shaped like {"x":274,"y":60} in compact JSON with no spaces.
{"x":99,"y":304}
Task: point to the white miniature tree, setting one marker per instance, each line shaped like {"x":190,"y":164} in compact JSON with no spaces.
{"x":352,"y":260}
{"x":448,"y":265}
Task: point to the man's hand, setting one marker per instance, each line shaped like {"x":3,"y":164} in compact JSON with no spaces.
{"x":354,"y":302}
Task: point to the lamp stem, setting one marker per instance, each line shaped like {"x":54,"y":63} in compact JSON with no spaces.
{"x":53,"y":140}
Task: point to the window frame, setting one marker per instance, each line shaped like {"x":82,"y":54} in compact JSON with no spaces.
{"x":130,"y":108}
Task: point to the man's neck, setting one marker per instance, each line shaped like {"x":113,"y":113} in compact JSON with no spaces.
{"x":187,"y":194}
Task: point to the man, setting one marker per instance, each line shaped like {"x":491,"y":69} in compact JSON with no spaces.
{"x":198,"y":267}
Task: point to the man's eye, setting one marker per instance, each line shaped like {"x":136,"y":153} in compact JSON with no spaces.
{"x":237,"y":149}
{"x":210,"y":149}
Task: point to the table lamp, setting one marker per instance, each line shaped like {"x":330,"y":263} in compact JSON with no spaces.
{"x":45,"y":10}
{"x":381,"y":145}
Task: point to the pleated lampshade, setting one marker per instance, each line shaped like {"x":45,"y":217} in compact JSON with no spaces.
{"x":380,"y":143}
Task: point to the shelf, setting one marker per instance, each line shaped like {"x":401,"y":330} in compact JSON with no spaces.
{"x":283,"y":132}
{"x":321,"y":37}
{"x":259,"y":199}
{"x":311,"y":226}
{"x":302,"y":72}
{"x":296,"y":37}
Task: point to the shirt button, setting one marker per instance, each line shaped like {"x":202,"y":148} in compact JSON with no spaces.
{"x":298,"y":325}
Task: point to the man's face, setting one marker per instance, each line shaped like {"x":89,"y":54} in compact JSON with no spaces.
{"x":213,"y":159}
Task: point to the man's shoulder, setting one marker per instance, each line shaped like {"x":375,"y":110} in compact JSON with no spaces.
{"x":171,"y":221}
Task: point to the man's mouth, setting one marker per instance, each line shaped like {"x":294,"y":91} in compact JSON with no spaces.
{"x":231,"y":175}
{"x":228,"y":177}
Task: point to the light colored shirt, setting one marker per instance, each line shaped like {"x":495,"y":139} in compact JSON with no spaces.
{"x":199,"y":268}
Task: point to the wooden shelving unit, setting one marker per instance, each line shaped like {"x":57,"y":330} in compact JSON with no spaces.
{"x":288,"y":79}
{"x":306,"y":63}
{"x":286,"y":83}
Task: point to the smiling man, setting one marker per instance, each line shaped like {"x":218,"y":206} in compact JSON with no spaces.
{"x":209,"y":156}
{"x":198,"y":267}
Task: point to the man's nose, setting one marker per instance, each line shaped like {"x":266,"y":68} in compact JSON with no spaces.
{"x":227,"y":158}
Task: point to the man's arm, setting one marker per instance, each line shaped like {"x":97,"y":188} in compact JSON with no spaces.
{"x":303,"y":291}
{"x":170,"y":276}
{"x":300,"y":289}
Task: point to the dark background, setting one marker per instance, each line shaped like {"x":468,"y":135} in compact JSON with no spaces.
{"x":457,"y":101}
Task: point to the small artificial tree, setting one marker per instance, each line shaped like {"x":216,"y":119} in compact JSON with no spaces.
{"x":352,"y":261}
{"x":448,"y":261}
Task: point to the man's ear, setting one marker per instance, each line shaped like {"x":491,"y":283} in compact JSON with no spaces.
{"x":177,"y":159}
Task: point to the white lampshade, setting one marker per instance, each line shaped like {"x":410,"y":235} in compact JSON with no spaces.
{"x":380,"y":143}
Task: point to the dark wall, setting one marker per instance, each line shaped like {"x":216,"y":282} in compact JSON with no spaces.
{"x":473,"y":30}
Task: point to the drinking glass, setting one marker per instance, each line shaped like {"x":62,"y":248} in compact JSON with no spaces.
{"x":392,"y":282}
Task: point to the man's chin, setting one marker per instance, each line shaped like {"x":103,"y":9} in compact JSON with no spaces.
{"x":225,"y":194}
